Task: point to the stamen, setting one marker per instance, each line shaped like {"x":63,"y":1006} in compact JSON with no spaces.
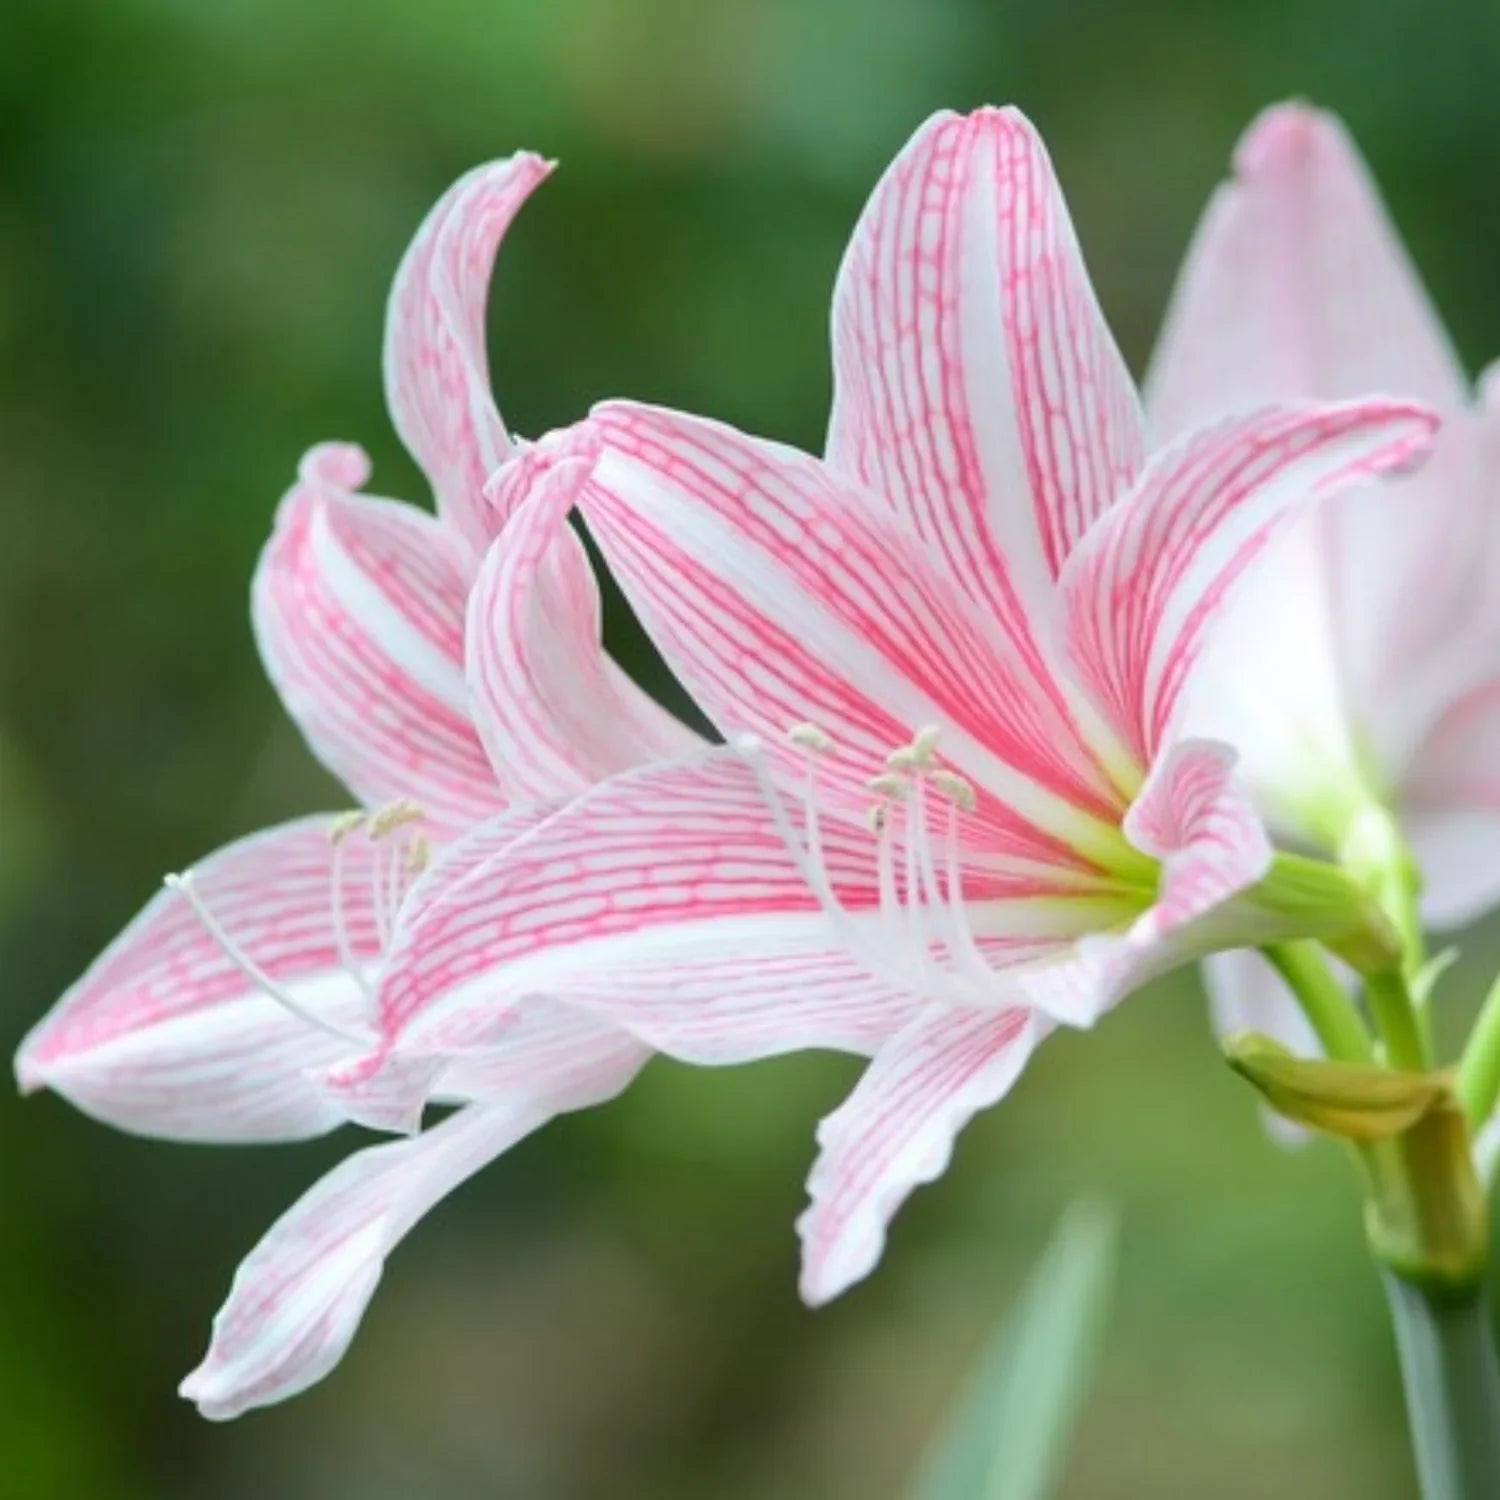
{"x":889,"y":785}
{"x":345,"y":824}
{"x":253,"y":972}
{"x":347,"y":958}
{"x":924,"y":742}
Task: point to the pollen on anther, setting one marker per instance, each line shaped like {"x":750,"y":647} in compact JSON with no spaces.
{"x":925,"y":741}
{"x":343,"y":825}
{"x":810,"y":737}
{"x":396,"y":815}
{"x":889,"y":785}
{"x":957,"y":789}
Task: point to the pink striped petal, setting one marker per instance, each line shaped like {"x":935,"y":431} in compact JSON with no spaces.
{"x":298,"y":1299}
{"x":667,"y":901}
{"x":436,"y":367}
{"x":896,"y":1131}
{"x":358,"y":607}
{"x":165,"y":1036}
{"x":554,"y":712}
{"x":978,"y":388}
{"x":780,"y":594}
{"x":1145,"y":584}
{"x":1193,"y":816}
{"x":1297,"y":287}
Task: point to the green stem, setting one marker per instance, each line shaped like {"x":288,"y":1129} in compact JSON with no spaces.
{"x":1396,"y":1018}
{"x":1323,"y":1000}
{"x":1478,"y":1082}
{"x":1452,"y":1380}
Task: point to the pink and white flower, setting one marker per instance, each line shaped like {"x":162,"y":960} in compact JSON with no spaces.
{"x":217,"y":1013}
{"x":1359,"y":673}
{"x":958,"y":805}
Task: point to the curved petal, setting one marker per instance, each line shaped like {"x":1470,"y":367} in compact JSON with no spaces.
{"x":166,"y":1036}
{"x":298,"y":1298}
{"x":1297,"y":287}
{"x":1145,"y":584}
{"x":437,"y":376}
{"x":977,"y":386}
{"x":896,"y":1131}
{"x":1192,"y":816}
{"x":554,"y":712}
{"x":358,"y":606}
{"x":779,"y":594}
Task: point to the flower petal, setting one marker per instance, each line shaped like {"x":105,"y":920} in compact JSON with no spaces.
{"x":977,"y":386}
{"x":298,"y":1298}
{"x":165,"y":1035}
{"x":1297,"y":287}
{"x":554,"y":712}
{"x":896,"y":1131}
{"x":1192,"y":816}
{"x":358,"y":607}
{"x":436,"y":369}
{"x":1145,"y":584}
{"x":1452,"y":809}
{"x":780,"y":594}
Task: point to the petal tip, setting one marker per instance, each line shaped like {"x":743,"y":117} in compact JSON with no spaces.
{"x":1283,"y":137}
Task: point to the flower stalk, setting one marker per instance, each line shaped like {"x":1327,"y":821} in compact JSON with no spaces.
{"x":1452,"y":1383}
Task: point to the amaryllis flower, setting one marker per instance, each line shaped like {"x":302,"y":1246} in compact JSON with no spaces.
{"x":957,"y":805}
{"x":216,"y":1013}
{"x":1359,"y":674}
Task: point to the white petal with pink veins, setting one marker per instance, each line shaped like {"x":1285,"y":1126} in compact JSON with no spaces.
{"x":358,"y":606}
{"x":436,"y":366}
{"x":298,"y":1299}
{"x":977,"y":387}
{"x":896,"y":1131}
{"x":166,"y":1035}
{"x":554,"y":712}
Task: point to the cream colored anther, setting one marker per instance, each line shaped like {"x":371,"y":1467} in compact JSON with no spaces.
{"x":955,"y":788}
{"x":393,"y":816}
{"x":810,"y":737}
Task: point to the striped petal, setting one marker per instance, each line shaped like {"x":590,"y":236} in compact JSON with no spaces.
{"x":667,"y":902}
{"x":1194,"y":818}
{"x":977,"y":386}
{"x":358,"y":607}
{"x":436,"y":368}
{"x":1297,"y":287}
{"x":896,"y":1131}
{"x":1145,"y":584}
{"x":165,"y":1035}
{"x":554,"y":712}
{"x":779,"y":593}
{"x":298,"y":1299}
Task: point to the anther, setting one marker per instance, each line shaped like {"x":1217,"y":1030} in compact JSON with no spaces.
{"x":393,"y":816}
{"x":877,"y":816}
{"x":955,"y":788}
{"x":924,"y":742}
{"x":889,"y":785}
{"x":419,"y":854}
{"x":810,"y":737}
{"x":345,"y":824}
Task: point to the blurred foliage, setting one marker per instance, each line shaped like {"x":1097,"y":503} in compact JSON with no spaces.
{"x":201,"y":205}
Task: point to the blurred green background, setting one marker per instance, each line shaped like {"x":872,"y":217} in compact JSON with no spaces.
{"x":201,"y":205}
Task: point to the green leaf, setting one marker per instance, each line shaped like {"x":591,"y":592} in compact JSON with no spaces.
{"x":1009,"y":1437}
